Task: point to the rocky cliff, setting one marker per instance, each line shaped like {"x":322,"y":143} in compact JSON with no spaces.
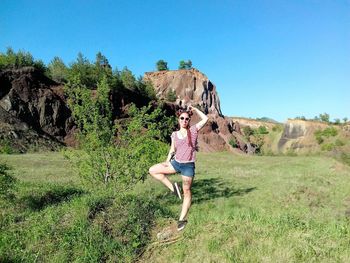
{"x":190,"y":86}
{"x":31,"y":104}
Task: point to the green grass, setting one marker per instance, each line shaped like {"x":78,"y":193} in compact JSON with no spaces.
{"x":245,"y":209}
{"x":265,"y":209}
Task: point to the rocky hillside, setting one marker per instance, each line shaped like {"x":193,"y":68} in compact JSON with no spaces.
{"x":300,"y":136}
{"x":34,"y":112}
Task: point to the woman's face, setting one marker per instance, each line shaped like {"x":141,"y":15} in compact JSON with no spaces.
{"x":184,"y":120}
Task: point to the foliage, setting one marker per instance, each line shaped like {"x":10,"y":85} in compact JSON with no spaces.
{"x":324,"y":117}
{"x":327,"y":147}
{"x":5,"y":146}
{"x":171,"y":96}
{"x":233,"y":142}
{"x":102,"y":157}
{"x":255,"y":203}
{"x":84,"y":70}
{"x":248,"y":131}
{"x":336,"y":121}
{"x":13,"y":60}
{"x":102,"y":66}
{"x":339,"y":142}
{"x":161,"y":65}
{"x":277,"y":128}
{"x":7,"y":182}
{"x":318,"y":137}
{"x":345,"y":157}
{"x":76,"y":226}
{"x":128,"y":79}
{"x":57,"y":70}
{"x":327,"y":132}
{"x":146,"y":89}
{"x":262,"y":130}
{"x":185,"y":64}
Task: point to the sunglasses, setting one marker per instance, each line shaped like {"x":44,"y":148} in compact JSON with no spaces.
{"x":183,"y":118}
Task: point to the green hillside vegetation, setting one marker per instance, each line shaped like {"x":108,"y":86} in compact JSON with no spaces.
{"x":245,"y":209}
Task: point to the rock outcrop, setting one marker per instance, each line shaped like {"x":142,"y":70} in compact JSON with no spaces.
{"x":35,"y":101}
{"x":193,"y":87}
{"x":190,"y":86}
{"x":298,"y":135}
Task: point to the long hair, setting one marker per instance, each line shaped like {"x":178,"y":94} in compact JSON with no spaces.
{"x":189,"y":136}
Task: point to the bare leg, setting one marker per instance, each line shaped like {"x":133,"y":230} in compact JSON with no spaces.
{"x":186,"y":186}
{"x":158,"y":171}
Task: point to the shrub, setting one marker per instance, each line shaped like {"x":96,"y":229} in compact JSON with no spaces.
{"x":5,"y":146}
{"x":345,"y":157}
{"x":185,"y":64}
{"x":262,"y":130}
{"x":339,"y":142}
{"x":161,"y":65}
{"x":319,"y":138}
{"x":14,"y":60}
{"x":7,"y":182}
{"x":328,"y":132}
{"x":57,"y":70}
{"x":247,"y":131}
{"x":233,"y":143}
{"x":277,"y":128}
{"x":327,"y":147}
{"x":104,"y":158}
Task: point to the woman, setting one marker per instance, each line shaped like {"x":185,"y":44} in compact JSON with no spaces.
{"x":183,"y":145}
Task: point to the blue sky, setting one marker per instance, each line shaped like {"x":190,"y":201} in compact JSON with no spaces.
{"x":277,"y":59}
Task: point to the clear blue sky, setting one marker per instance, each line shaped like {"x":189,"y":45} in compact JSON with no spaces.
{"x":278,"y":59}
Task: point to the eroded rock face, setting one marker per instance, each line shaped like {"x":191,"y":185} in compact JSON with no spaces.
{"x":190,"y":86}
{"x":299,"y":135}
{"x":34,"y":99}
{"x":21,"y":138}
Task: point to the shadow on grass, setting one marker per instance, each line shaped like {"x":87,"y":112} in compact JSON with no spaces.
{"x":208,"y":189}
{"x":53,"y":196}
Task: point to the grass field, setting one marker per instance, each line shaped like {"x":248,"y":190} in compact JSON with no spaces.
{"x":245,"y":209}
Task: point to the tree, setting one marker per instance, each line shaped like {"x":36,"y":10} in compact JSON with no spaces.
{"x":57,"y":70}
{"x":185,"y":65}
{"x":345,"y":119}
{"x":337,"y":121}
{"x":112,"y":154}
{"x":162,"y":65}
{"x":324,"y":117}
{"x":145,"y":88}
{"x":102,"y":67}
{"x":84,"y":70}
{"x":20,"y":59}
{"x":128,"y":79}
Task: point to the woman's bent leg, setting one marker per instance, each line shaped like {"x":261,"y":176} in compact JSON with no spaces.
{"x":186,"y":187}
{"x":158,"y":171}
